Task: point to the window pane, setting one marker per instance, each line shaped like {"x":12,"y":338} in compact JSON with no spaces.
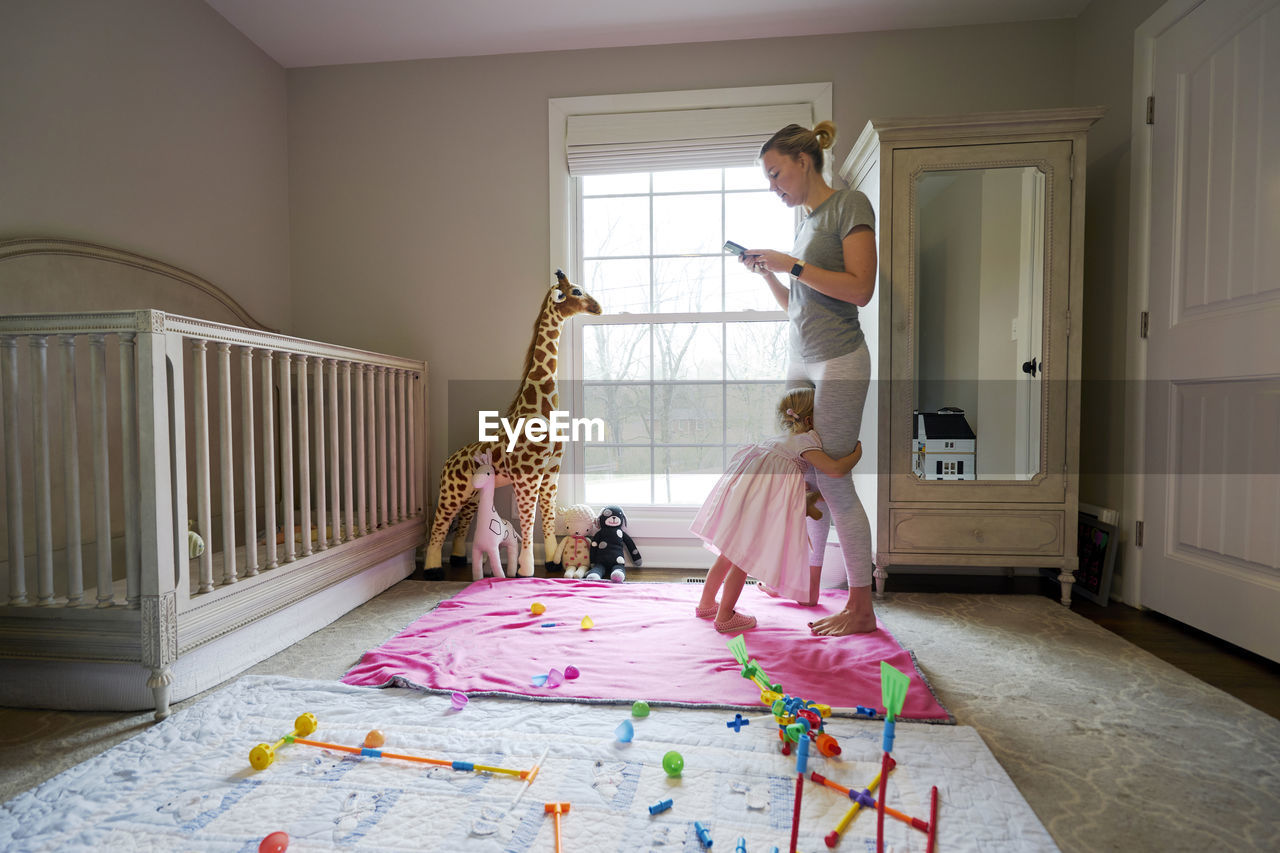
{"x":624,"y":408}
{"x":619,"y":286}
{"x":685,"y":475}
{"x":635,"y":182}
{"x":617,"y":475}
{"x":616,"y":352}
{"x":688,"y":350}
{"x":686,"y":180}
{"x":615,"y":226}
{"x":759,"y":221}
{"x":688,"y":413}
{"x":744,"y":290}
{"x":751,"y":412}
{"x":745,"y":178}
{"x":687,"y":223}
{"x":687,"y":284}
{"x":756,"y":350}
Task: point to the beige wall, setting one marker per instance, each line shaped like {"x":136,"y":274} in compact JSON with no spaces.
{"x":419,"y":197}
{"x":153,"y":126}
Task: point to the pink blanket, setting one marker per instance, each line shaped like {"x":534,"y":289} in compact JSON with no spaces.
{"x":645,"y":644}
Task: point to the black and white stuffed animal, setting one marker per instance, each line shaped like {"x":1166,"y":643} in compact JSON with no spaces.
{"x":609,"y":545}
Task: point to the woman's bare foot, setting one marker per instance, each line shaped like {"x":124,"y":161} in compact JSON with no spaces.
{"x":857,"y":617}
{"x":842,"y":624}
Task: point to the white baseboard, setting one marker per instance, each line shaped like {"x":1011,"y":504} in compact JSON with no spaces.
{"x":79,"y":686}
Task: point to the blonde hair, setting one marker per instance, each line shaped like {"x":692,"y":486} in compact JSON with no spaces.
{"x":794,"y":140}
{"x":795,"y":408}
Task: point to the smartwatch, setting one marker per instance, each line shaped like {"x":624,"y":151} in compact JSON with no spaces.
{"x":797,"y":268}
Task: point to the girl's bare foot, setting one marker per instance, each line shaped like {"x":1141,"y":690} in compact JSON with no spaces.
{"x":768,"y":590}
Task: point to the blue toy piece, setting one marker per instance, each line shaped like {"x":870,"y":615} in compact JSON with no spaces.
{"x":864,"y":711}
{"x":742,"y":845}
{"x":624,"y":732}
{"x":704,"y":834}
{"x":660,"y":806}
{"x":802,"y":755}
{"x":738,"y":722}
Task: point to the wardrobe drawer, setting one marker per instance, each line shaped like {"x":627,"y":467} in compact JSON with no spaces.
{"x":945,"y":531}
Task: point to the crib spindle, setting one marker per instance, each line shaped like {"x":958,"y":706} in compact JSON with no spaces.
{"x":71,"y":473}
{"x":204,"y":512}
{"x":381,"y":413}
{"x":226,"y":459}
{"x":393,"y":445}
{"x":286,"y":455}
{"x":304,"y":457}
{"x":413,"y":446}
{"x":38,"y":347}
{"x":322,"y":541}
{"x":269,"y":459}
{"x":335,"y":493}
{"x":129,"y":458}
{"x":362,"y":491}
{"x":347,"y":490}
{"x":371,"y":446}
{"x":101,"y":469}
{"x":250,"y":475}
{"x":13,"y":471}
{"x":402,"y":387}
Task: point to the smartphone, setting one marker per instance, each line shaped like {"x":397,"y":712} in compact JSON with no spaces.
{"x":734,"y":248}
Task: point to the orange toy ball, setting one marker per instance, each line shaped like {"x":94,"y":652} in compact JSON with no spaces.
{"x":374,"y":739}
{"x":276,"y":842}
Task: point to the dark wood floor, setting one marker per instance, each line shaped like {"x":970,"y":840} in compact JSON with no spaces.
{"x":1249,"y":677}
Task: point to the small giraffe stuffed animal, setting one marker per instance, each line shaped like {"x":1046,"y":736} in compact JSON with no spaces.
{"x":531,"y":467}
{"x":492,"y":530}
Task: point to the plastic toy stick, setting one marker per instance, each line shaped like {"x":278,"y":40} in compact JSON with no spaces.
{"x":863,"y":798}
{"x":802,"y":758}
{"x":262,"y":755}
{"x":528,"y":780}
{"x":833,"y":837}
{"x":893,"y":692}
{"x":933,"y":820}
{"x":441,"y":762}
{"x":556,"y":809}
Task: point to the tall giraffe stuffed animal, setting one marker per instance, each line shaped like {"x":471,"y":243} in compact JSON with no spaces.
{"x":492,"y":530}
{"x":532,"y":467}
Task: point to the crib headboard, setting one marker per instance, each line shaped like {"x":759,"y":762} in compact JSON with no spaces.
{"x":43,"y":275}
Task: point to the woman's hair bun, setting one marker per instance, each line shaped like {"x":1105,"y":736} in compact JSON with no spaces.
{"x":825,"y":134}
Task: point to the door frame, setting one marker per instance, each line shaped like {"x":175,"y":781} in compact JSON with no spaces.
{"x":1140,"y":285}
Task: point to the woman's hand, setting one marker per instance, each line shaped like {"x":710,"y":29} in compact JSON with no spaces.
{"x":767,"y":260}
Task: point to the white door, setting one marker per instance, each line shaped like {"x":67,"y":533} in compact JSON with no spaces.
{"x":1211,"y":556}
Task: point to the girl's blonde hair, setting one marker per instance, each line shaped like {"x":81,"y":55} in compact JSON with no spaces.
{"x":795,"y":410}
{"x":794,"y":140}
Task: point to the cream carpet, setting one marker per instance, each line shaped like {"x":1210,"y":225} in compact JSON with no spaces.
{"x":1112,"y":748}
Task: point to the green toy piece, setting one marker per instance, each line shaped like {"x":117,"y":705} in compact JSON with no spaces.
{"x":640,"y":708}
{"x":673,"y":763}
{"x":893,"y":689}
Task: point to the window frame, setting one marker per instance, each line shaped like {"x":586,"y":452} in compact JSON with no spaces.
{"x":664,"y":529}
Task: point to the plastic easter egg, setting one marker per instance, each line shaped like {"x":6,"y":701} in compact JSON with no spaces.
{"x":571,"y":672}
{"x":537,"y":608}
{"x":673,"y":763}
{"x":276,"y":842}
{"x":640,"y":708}
{"x":375,"y":739}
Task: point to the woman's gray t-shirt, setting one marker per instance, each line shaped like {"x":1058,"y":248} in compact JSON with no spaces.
{"x":823,"y":328}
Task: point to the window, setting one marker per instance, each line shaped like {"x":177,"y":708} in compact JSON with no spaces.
{"x":686,"y":363}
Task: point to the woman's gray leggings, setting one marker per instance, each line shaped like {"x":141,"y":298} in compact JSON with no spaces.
{"x":840,"y":391}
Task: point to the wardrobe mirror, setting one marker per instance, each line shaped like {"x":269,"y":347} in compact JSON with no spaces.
{"x":978,"y":322}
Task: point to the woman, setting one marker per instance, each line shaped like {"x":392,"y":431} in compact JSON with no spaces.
{"x":831,"y":269}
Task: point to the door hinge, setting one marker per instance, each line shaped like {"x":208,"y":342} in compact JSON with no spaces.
{"x":1151,"y":109}
{"x":1144,"y":321}
{"x":1137,"y":533}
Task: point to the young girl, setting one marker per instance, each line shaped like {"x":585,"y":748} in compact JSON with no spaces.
{"x":754,"y":518}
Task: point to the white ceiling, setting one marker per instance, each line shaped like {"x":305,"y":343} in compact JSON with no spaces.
{"x":301,"y":33}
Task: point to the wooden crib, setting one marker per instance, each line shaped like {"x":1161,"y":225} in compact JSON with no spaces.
{"x":132,"y":436}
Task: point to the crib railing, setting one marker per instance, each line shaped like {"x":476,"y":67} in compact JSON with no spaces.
{"x":280,"y":454}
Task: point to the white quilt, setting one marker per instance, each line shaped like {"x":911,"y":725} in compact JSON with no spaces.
{"x":186,"y":783}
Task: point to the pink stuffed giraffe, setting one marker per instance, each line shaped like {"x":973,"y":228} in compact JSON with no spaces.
{"x":492,"y":530}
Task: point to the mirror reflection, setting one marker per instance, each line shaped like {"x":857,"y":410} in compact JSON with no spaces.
{"x":978,"y":324}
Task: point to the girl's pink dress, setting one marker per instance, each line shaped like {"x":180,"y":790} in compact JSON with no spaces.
{"x":755,"y":515}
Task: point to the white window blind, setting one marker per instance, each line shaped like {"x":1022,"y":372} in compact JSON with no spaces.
{"x":609,"y":143}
